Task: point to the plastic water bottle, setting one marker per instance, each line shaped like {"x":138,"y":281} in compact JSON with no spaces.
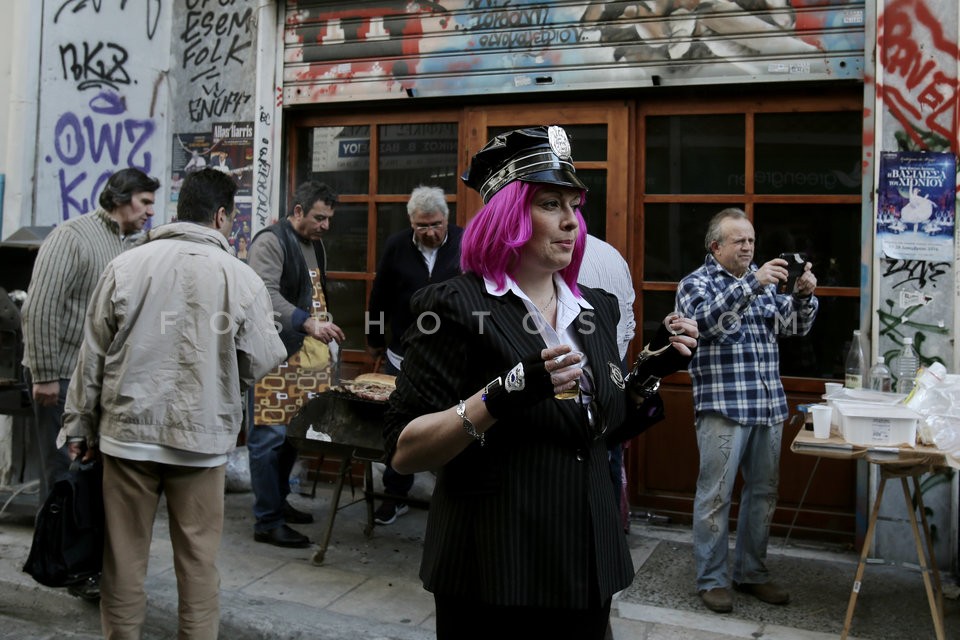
{"x":295,"y":474}
{"x":927,"y":378}
{"x":855,"y":363}
{"x":881,"y":379}
{"x":907,"y":364}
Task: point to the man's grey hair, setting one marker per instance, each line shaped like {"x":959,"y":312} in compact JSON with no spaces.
{"x":427,"y":200}
{"x":713,"y":229}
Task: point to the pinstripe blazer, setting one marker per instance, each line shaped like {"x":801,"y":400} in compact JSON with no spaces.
{"x":529,"y":519}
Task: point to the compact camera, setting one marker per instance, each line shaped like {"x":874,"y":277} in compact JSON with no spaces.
{"x":795,"y":264}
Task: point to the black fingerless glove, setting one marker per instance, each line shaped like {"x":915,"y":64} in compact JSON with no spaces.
{"x":524,"y":384}
{"x":657,"y":360}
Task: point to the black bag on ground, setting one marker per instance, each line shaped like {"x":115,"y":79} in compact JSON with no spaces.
{"x":68,"y":534}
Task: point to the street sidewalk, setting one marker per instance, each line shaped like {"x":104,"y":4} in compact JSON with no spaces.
{"x":366,"y":588}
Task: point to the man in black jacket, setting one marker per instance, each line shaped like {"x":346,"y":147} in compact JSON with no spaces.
{"x":411,"y":261}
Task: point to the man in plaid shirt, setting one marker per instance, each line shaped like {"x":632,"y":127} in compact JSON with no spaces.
{"x":739,"y":401}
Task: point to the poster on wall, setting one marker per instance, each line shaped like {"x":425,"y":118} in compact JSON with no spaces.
{"x":190,"y":151}
{"x":232,"y":153}
{"x":916,"y":195}
{"x":240,"y":232}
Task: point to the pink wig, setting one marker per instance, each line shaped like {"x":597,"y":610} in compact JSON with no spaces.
{"x":494,"y":237}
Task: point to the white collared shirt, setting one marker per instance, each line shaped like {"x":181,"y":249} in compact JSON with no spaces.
{"x":429,"y":254}
{"x":568,"y":308}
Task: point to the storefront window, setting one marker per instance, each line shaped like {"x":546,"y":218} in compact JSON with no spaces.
{"x":673,"y":238}
{"x":809,"y":153}
{"x":339,"y":156}
{"x":803,"y":197}
{"x":819,"y":232}
{"x":346,"y":242}
{"x":695,"y":154}
{"x":594,"y":210}
{"x":415,"y":154}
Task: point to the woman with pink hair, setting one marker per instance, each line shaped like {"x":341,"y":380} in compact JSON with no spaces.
{"x":511,"y":389}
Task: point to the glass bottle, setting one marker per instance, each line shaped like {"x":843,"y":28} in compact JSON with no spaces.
{"x":906,"y":366}
{"x":881,"y":379}
{"x":855,"y":363}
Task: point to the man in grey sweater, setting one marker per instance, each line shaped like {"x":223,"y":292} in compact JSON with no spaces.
{"x":65,"y":273}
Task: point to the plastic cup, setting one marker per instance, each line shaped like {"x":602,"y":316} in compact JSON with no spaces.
{"x":821,"y":420}
{"x":830,"y":388}
{"x":570,"y":394}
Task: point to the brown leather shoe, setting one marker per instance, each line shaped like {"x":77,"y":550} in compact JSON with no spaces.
{"x":769,"y":592}
{"x":719,"y":599}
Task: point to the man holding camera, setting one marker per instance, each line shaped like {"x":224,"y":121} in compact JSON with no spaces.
{"x":739,"y":401}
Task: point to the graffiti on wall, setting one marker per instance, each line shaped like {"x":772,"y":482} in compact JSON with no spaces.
{"x":98,"y":109}
{"x":264,"y":175}
{"x":395,"y":48}
{"x":917,"y":85}
{"x":213,"y":67}
{"x":215,"y":40}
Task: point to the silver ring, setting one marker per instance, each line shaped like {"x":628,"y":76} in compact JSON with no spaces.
{"x":559,"y":359}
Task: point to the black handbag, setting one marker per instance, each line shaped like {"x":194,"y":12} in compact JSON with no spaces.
{"x":68,"y":534}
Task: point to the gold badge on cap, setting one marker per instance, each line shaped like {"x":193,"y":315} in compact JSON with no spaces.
{"x":616,"y":375}
{"x":559,"y":143}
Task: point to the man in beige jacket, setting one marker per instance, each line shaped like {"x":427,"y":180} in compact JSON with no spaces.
{"x":177,"y":328}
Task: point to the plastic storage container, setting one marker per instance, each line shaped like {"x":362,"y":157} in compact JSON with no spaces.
{"x":870,"y":424}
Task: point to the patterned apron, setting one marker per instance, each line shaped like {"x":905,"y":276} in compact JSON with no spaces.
{"x":278,"y":396}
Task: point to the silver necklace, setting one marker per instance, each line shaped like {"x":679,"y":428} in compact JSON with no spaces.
{"x":544,"y":308}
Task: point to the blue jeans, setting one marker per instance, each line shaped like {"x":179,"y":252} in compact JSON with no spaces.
{"x":271,"y":460}
{"x":724,"y":447}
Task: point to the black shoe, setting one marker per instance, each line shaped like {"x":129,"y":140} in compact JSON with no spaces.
{"x":88,"y":590}
{"x":389,"y":511}
{"x":282,"y":536}
{"x":295,"y":516}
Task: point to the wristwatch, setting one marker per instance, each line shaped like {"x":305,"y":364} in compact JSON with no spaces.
{"x":467,"y":425}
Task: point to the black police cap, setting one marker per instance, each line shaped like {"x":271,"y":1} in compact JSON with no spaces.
{"x":535,"y":154}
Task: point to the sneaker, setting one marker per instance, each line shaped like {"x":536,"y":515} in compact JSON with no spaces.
{"x":719,"y":600}
{"x":389,"y":511}
{"x":88,"y":590}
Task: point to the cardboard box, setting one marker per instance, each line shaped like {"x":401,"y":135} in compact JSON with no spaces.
{"x":871,"y":424}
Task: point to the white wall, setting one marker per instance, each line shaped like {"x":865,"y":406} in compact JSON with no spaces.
{"x":19,"y":51}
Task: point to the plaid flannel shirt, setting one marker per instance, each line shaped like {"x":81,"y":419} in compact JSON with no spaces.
{"x":736,"y":368}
